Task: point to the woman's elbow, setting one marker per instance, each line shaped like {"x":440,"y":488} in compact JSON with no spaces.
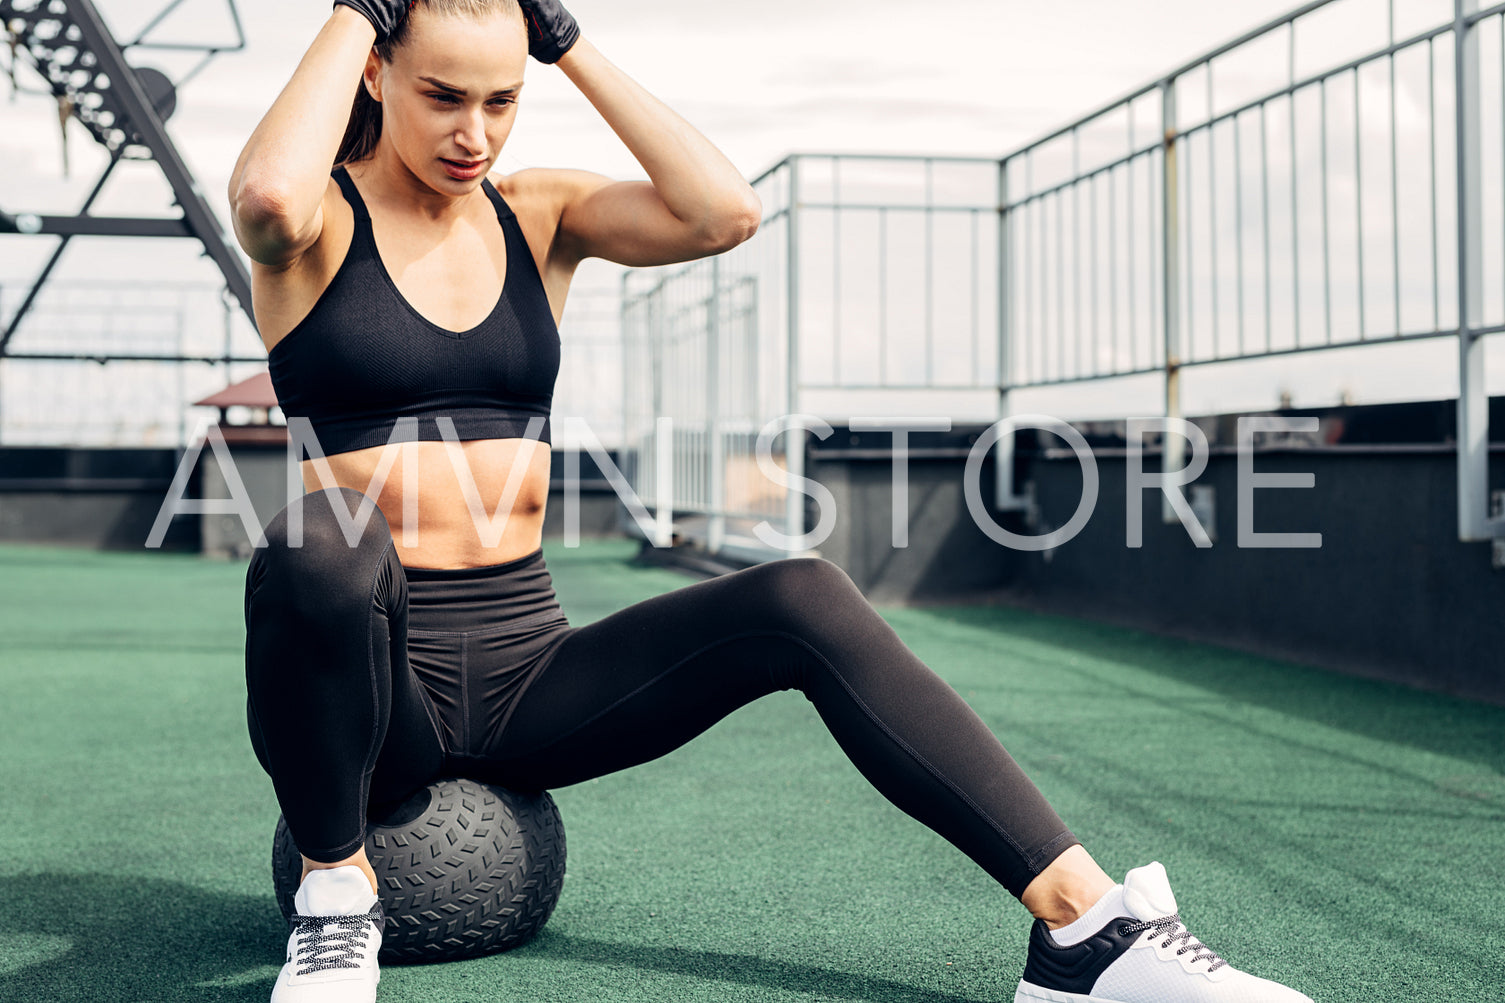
{"x":735,"y":221}
{"x":264,"y":221}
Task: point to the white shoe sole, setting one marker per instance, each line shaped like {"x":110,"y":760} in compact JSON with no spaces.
{"x":1031,"y":993}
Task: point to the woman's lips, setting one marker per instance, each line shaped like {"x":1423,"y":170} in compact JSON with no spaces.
{"x":463,"y":170}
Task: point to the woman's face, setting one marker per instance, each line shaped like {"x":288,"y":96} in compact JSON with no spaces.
{"x":449,"y":95}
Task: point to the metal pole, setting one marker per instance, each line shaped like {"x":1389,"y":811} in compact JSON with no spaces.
{"x":794,"y":444}
{"x":836,"y":278}
{"x":1358,"y":195}
{"x":182,"y":382}
{"x":1092,"y":256}
{"x":882,"y":299}
{"x":1060,"y":331}
{"x":1212,"y":210}
{"x":663,"y":515}
{"x":1327,"y":268}
{"x":1028,"y":364}
{"x":1174,"y":446}
{"x":1005,"y":493}
{"x":1394,"y":182}
{"x":975,"y":291}
{"x":1133,"y":275}
{"x":929,"y":271}
{"x":1149,"y":255}
{"x":1295,"y":207}
{"x":1473,"y":402}
{"x":1113,"y":265}
{"x":1076,"y":248}
{"x":227,"y":323}
{"x":1432,"y":180}
{"x":656,"y":357}
{"x":1264,"y":209}
{"x":1238,"y":228}
{"x":629,"y":360}
{"x":716,"y":530}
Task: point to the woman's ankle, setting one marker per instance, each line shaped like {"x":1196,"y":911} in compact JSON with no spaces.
{"x":1069,"y":886}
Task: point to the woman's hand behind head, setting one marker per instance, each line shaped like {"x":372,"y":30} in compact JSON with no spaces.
{"x":551,"y":29}
{"x":384,"y":15}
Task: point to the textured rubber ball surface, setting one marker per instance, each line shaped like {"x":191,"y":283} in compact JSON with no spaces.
{"x":464,"y":869}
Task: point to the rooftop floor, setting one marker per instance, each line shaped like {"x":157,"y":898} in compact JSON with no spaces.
{"x":1338,"y":834}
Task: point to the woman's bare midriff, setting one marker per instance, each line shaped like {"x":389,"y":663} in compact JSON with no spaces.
{"x":447,"y":524}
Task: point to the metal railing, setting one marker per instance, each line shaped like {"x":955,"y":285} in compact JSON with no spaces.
{"x":1319,"y":183}
{"x":868,"y":288}
{"x":589,"y":386}
{"x":104,"y":363}
{"x":1302,"y":215}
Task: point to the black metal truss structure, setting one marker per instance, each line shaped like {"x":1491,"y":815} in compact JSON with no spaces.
{"x":123,"y":107}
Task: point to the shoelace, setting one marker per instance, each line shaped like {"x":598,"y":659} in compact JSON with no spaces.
{"x":320,"y":948}
{"x":1167,"y":925}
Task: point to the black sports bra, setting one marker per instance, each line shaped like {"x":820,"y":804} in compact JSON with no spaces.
{"x":363,"y":357}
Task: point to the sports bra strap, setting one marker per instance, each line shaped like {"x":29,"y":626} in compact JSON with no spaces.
{"x":352,"y":194}
{"x":503,"y":210}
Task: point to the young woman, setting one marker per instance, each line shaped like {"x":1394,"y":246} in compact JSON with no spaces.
{"x":409,"y":304}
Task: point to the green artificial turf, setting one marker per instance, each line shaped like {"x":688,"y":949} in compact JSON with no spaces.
{"x":1342,"y":835}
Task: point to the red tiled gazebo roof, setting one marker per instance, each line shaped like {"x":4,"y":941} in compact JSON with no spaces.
{"x":254,"y":392}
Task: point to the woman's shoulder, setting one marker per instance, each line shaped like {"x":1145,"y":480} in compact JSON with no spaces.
{"x":546,"y":190}
{"x":540,"y":196}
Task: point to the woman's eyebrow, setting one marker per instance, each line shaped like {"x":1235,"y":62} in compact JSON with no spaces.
{"x":452,"y":89}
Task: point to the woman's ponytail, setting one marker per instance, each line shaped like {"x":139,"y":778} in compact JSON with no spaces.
{"x":363,"y":129}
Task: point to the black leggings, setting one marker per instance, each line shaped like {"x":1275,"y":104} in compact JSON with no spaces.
{"x":368,"y":680}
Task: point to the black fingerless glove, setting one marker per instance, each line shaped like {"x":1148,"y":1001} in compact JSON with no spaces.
{"x":551,"y":29}
{"x":383,"y":14}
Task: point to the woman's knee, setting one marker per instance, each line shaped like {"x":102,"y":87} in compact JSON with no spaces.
{"x":311,"y":522}
{"x":319,"y":556}
{"x":815,"y":602}
{"x":801,"y":592}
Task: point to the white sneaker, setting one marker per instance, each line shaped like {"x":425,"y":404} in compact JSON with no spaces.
{"x":336,"y":932}
{"x":1142,"y":953}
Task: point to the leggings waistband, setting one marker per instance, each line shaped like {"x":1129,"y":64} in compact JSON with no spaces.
{"x":486,"y":597}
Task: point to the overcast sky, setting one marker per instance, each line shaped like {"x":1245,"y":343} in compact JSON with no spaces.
{"x":761,"y":80}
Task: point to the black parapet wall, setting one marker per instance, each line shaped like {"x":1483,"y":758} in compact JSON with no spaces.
{"x":1391,"y":592}
{"x":108,"y":498}
{"x":598,"y":499}
{"x":947,"y":554}
{"x":105,"y":498}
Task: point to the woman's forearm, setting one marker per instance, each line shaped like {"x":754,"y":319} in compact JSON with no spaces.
{"x":695,"y":180}
{"x":280,"y":178}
